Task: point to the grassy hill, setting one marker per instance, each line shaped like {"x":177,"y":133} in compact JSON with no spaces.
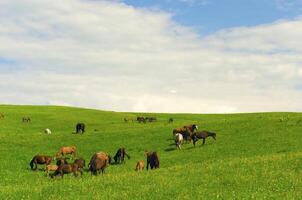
{"x":256,"y":156}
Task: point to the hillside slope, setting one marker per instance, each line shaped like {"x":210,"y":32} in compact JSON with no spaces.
{"x":255,"y":156}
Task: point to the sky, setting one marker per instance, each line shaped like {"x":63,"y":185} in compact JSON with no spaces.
{"x":181,"y":56}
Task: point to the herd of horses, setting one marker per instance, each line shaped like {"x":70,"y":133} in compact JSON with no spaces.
{"x":189,"y":133}
{"x":99,"y":161}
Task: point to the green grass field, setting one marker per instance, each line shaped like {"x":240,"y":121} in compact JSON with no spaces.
{"x":256,"y":156}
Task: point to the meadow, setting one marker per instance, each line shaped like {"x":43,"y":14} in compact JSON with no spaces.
{"x":255,"y":156}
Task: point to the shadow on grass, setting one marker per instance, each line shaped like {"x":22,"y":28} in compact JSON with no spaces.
{"x":170,"y":149}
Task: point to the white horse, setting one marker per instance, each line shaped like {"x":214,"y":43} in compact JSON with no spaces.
{"x":178,"y":140}
{"x":47,"y":131}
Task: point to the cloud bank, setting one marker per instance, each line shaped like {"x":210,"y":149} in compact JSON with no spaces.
{"x":112,"y":56}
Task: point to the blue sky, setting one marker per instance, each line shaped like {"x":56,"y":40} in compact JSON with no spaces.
{"x":207,"y":16}
{"x":196,"y":56}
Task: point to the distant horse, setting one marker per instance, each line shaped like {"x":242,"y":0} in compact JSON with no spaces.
{"x":26,"y":119}
{"x":80,"y":128}
{"x":152,"y":160}
{"x":170,"y":120}
{"x":139,"y":165}
{"x":203,"y":135}
{"x":128,"y":119}
{"x":72,"y":150}
{"x":178,"y":140}
{"x":120,"y":155}
{"x":41,"y":160}
{"x":151,"y":119}
{"x":1,"y":115}
{"x":47,"y":131}
{"x":141,"y":119}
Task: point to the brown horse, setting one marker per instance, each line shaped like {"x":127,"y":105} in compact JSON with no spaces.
{"x":99,"y":161}
{"x":41,"y":160}
{"x":120,"y":155}
{"x":152,"y":160}
{"x":1,"y":115}
{"x":72,"y":150}
{"x":203,"y":135}
{"x":186,"y":131}
{"x":66,"y":169}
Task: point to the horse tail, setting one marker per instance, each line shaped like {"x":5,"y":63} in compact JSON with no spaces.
{"x":32,"y":163}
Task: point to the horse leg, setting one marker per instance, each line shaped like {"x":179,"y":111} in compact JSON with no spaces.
{"x":204,"y":140}
{"x":36,"y":166}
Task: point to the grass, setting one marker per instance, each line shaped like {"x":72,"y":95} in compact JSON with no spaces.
{"x":256,"y":156}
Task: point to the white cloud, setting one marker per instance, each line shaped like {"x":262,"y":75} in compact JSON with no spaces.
{"x":112,"y":56}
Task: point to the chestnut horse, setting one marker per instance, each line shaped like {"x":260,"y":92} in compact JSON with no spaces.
{"x":72,"y":150}
{"x":99,"y":161}
{"x":41,"y":160}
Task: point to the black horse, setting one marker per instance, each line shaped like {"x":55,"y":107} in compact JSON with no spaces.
{"x":202,"y":135}
{"x":80,"y":128}
{"x":120,"y":155}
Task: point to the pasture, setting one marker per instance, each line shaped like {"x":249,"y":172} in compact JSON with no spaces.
{"x":255,"y":156}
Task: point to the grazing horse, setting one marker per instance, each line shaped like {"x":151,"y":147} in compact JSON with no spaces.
{"x":152,"y":160}
{"x":141,"y":119}
{"x":170,"y":120}
{"x":80,"y":162}
{"x":26,"y":119}
{"x":178,"y":140}
{"x":140,"y":165}
{"x":99,"y":161}
{"x":1,"y":115}
{"x":66,"y":169}
{"x":72,"y":150}
{"x":80,"y":128}
{"x":203,"y":135}
{"x":151,"y":119}
{"x":51,"y":168}
{"x":187,"y":131}
{"x":47,"y":131}
{"x":120,"y":155}
{"x":41,"y":160}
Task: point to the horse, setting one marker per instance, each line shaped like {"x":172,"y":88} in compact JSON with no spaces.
{"x":178,"y":140}
{"x":120,"y":155}
{"x":66,"y":169}
{"x":72,"y":150}
{"x":203,"y":135}
{"x":26,"y":119}
{"x":152,"y":160}
{"x":1,"y":115}
{"x":140,"y":165}
{"x":41,"y":160}
{"x":80,"y":128}
{"x":151,"y":119}
{"x":80,"y":162}
{"x":187,"y":131}
{"x":141,"y":119}
{"x":51,"y":168}
{"x":47,"y":131}
{"x":99,"y":161}
{"x":170,"y":120}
